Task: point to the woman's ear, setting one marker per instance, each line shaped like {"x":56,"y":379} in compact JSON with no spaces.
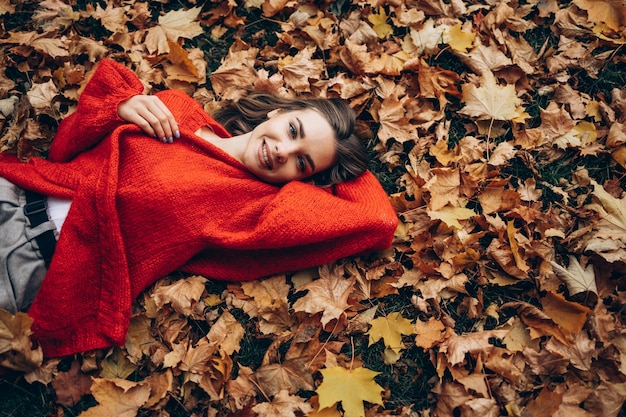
{"x":273,"y":113}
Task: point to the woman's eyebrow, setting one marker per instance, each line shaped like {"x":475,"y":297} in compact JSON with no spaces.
{"x":300,"y":127}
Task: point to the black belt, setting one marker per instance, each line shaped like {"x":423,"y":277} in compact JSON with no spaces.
{"x":35,"y":210}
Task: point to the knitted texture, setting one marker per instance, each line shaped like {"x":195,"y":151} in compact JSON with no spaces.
{"x":142,"y":209}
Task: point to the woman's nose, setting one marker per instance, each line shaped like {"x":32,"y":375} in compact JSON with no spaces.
{"x":283,"y":151}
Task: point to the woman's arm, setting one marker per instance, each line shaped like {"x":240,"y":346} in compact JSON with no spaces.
{"x":97,"y":112}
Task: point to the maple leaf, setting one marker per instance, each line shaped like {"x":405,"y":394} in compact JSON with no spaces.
{"x":575,"y":277}
{"x":428,"y":38}
{"x":291,"y":376}
{"x":459,"y":40}
{"x":490,"y":101}
{"x":390,"y":328}
{"x":70,"y":386}
{"x":350,"y":387}
{"x":327,"y":295}
{"x":112,"y":18}
{"x":299,"y":69}
{"x":451,"y":215}
{"x":181,"y":24}
{"x":16,"y":347}
{"x":117,"y":365}
{"x":283,"y":405}
{"x":429,"y":333}
{"x":379,"y":22}
{"x":183,"y":295}
{"x":444,"y":187}
{"x":227,"y":332}
{"x":117,"y":397}
{"x":393,"y":121}
{"x":455,"y":347}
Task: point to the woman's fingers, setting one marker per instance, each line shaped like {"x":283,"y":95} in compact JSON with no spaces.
{"x":151,"y":115}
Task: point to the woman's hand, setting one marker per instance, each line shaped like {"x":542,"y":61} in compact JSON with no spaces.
{"x":151,"y":115}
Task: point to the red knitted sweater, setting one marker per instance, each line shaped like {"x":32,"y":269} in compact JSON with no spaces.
{"x":142,"y":209}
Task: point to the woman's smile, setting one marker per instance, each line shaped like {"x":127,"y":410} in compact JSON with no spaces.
{"x":264,"y":156}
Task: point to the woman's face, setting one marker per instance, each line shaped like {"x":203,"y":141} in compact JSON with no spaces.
{"x":290,"y":145}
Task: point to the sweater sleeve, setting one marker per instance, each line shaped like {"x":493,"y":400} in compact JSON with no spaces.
{"x":96,"y":113}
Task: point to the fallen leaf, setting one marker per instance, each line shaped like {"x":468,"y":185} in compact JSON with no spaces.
{"x":489,"y":100}
{"x":117,"y":397}
{"x":283,"y":405}
{"x":390,"y":328}
{"x":350,"y":387}
{"x":327,"y":295}
{"x":575,"y":277}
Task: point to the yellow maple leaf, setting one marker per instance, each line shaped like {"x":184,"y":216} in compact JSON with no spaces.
{"x":379,"y":23}
{"x":459,"y":40}
{"x":490,"y":100}
{"x":390,"y":329}
{"x":350,"y":387}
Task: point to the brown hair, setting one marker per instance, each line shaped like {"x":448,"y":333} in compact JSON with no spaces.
{"x":248,"y":112}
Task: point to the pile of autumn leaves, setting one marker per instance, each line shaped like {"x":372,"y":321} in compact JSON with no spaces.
{"x":561,"y":351}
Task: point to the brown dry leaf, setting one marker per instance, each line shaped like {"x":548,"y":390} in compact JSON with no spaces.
{"x":444,"y":187}
{"x":117,"y":397}
{"x":430,"y":333}
{"x":455,"y":347}
{"x":70,"y":386}
{"x":327,"y":295}
{"x":117,"y":365}
{"x":539,"y":324}
{"x":490,"y":101}
{"x":298,"y":70}
{"x":580,"y":353}
{"x":394,"y":122}
{"x":237,"y":70}
{"x":569,"y":315}
{"x":544,"y":405}
{"x":183,"y":295}
{"x":112,"y":18}
{"x":227,"y":333}
{"x":181,"y":24}
{"x":283,"y":405}
{"x":290,"y":375}
{"x":272,"y":306}
{"x":17,"y":351}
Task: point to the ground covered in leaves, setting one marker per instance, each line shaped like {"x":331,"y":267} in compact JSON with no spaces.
{"x":499,"y":131}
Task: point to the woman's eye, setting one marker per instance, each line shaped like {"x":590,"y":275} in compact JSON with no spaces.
{"x":301,"y":164}
{"x":292,"y":131}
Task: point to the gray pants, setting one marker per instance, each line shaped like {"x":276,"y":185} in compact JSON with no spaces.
{"x":22,"y":268}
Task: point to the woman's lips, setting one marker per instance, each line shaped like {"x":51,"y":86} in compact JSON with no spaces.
{"x":265,"y":156}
